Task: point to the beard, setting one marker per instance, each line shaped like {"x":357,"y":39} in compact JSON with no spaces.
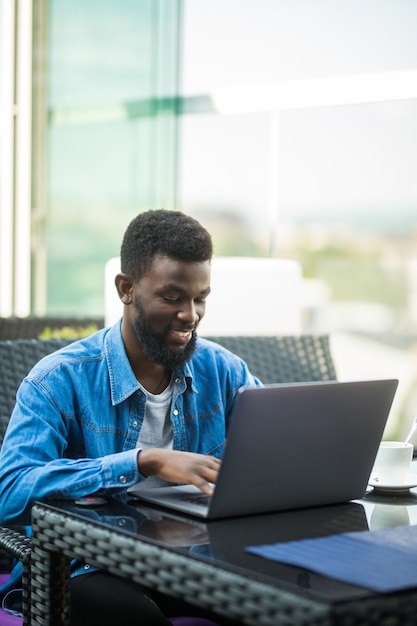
{"x":154,"y":345}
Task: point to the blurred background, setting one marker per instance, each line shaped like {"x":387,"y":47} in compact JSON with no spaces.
{"x":287,"y":127}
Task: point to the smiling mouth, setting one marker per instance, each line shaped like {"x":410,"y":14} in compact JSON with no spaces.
{"x":182,"y":336}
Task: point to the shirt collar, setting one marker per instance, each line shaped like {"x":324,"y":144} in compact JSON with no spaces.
{"x":123,"y":382}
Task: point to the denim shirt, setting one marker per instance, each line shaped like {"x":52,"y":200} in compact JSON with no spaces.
{"x":79,"y":412}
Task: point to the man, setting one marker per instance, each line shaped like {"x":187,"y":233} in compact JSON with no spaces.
{"x":144,"y":400}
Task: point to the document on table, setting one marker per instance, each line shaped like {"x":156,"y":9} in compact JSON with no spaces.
{"x":382,"y":560}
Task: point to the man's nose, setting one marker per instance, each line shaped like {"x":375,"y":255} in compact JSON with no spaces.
{"x":189,"y":313}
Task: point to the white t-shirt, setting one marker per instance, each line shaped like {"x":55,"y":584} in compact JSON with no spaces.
{"x":156,"y":431}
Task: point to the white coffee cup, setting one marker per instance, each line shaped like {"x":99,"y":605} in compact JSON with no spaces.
{"x":392,"y":463}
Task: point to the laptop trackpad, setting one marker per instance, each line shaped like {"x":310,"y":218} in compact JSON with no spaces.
{"x":186,"y":498}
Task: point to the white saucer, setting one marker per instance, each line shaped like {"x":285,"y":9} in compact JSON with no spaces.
{"x":383,"y":487}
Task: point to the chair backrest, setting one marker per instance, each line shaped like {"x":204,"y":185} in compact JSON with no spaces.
{"x":33,"y":326}
{"x":17,"y":357}
{"x":300,"y":358}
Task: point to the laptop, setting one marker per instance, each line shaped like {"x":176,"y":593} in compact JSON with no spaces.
{"x":290,"y":446}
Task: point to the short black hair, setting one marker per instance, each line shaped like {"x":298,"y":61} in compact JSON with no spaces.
{"x":163,"y":232}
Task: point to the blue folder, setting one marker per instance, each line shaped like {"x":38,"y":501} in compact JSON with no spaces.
{"x":382,"y":560}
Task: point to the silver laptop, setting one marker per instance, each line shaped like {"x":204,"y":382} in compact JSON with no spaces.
{"x":291,"y":446}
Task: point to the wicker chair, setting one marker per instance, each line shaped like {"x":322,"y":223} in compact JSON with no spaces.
{"x":272,"y":359}
{"x":284,"y":359}
{"x":17,"y":357}
{"x":32,"y":327}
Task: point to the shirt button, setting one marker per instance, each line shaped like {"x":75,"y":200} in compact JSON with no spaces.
{"x":135,"y":423}
{"x":177,"y":380}
{"x":86,"y":566}
{"x":122,"y":480}
{"x":175,"y":412}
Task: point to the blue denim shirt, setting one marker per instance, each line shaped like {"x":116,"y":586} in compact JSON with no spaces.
{"x":79,"y":412}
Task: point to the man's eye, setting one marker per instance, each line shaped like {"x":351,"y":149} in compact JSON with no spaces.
{"x":171,"y":298}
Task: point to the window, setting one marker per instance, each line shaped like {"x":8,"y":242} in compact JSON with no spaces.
{"x":299,"y":140}
{"x":110,"y":84}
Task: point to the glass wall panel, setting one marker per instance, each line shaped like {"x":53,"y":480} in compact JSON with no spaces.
{"x":308,"y":144}
{"x":111,"y":144}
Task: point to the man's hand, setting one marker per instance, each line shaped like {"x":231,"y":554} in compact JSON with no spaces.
{"x":180,"y":467}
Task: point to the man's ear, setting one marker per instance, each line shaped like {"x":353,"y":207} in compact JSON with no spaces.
{"x":124,"y":286}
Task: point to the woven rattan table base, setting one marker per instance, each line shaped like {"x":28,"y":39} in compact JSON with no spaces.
{"x":58,"y":537}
